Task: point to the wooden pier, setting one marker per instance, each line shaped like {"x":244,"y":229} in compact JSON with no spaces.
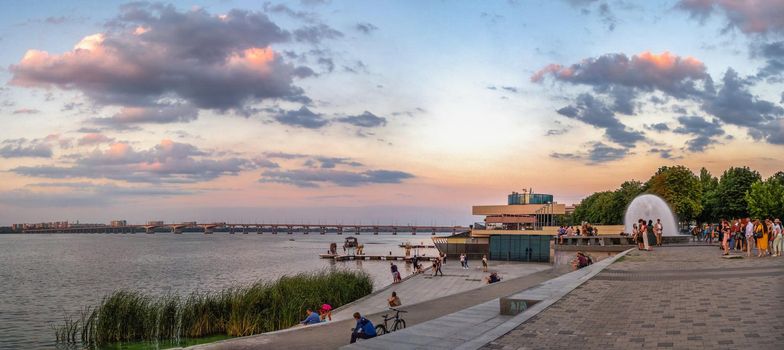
{"x":407,"y":259}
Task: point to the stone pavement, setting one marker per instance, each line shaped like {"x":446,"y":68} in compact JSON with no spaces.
{"x":332,"y":335}
{"x":424,"y":287}
{"x":673,"y":297}
{"x":475,"y":326}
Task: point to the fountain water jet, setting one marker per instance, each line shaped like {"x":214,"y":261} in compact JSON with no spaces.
{"x":650,"y":207}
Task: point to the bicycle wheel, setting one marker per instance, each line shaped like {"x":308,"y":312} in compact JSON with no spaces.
{"x":399,"y":324}
{"x":381,"y":330}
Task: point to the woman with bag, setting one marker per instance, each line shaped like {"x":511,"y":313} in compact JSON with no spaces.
{"x":761,"y":235}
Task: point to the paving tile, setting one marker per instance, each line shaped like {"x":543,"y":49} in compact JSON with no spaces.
{"x":654,"y":300}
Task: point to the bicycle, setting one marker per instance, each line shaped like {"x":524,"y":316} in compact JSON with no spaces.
{"x":397,"y":325}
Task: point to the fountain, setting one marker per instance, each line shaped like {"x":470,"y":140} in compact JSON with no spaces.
{"x":650,"y":207}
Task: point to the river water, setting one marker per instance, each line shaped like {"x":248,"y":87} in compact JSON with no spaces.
{"x":42,"y":276}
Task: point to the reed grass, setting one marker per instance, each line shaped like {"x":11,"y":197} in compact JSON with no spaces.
{"x":131,"y":316}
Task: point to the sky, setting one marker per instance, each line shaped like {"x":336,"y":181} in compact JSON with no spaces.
{"x":390,"y":112}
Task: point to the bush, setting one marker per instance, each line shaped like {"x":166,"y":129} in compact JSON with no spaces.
{"x":130,"y":316}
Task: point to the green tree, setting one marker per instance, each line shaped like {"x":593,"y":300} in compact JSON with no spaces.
{"x":766,"y":198}
{"x":779,"y":176}
{"x":596,"y":208}
{"x":680,"y":188}
{"x":731,"y":192}
{"x":621,"y":199}
{"x":709,"y":183}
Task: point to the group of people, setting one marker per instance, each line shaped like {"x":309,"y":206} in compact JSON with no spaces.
{"x":363,"y":329}
{"x":324,"y":314}
{"x":744,"y":235}
{"x":642,"y":230}
{"x":581,"y":260}
{"x":585,"y":229}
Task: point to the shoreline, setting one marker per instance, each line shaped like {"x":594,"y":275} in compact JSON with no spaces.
{"x":323,"y":334}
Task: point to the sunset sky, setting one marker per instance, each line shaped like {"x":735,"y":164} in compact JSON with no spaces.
{"x":372,"y":111}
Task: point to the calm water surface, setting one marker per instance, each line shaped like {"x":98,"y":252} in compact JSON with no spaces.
{"x":42,"y":277}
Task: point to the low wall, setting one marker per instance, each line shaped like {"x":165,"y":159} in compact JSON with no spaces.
{"x":547,"y":230}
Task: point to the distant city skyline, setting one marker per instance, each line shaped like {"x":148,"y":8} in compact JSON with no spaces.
{"x":372,"y":111}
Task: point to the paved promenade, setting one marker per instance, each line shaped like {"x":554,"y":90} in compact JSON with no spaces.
{"x":423,"y":297}
{"x":473,"y":327}
{"x":424,"y":287}
{"x":674,"y":297}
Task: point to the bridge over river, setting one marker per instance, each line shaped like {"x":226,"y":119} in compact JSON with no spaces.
{"x":208,"y":228}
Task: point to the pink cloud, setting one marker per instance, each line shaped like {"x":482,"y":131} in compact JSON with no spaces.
{"x":94,"y":139}
{"x":665,"y":71}
{"x":750,"y":16}
{"x":151,"y":54}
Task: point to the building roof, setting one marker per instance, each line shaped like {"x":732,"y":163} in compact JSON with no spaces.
{"x":519,"y":209}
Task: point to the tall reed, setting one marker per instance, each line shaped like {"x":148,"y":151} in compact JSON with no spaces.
{"x":130,"y":316}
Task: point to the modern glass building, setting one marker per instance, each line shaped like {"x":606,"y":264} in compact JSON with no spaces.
{"x":528,"y":197}
{"x":525,"y":211}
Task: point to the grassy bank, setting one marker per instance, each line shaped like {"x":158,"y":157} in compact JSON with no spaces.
{"x":130,"y":316}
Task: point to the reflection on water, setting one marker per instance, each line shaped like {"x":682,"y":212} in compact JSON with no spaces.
{"x":45,"y":276}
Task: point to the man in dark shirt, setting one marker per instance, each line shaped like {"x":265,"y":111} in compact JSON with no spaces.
{"x":363,"y":330}
{"x":393,"y":268}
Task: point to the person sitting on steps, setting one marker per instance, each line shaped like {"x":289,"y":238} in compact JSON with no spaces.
{"x":394,"y":300}
{"x":363,"y":330}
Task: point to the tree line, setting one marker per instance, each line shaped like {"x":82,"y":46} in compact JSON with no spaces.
{"x":738,"y":193}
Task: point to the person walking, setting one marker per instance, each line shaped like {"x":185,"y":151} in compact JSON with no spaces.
{"x":778,"y":240}
{"x":725,"y":239}
{"x":637,"y":236}
{"x":437,"y":267}
{"x":395,"y":272}
{"x":644,"y":233}
{"x":761,"y":234}
{"x":484,"y":263}
{"x":463,"y":261}
{"x":740,"y":239}
{"x":771,"y":236}
{"x":749,"y":233}
{"x":657,"y":229}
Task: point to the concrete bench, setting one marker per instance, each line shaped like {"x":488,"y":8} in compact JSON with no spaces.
{"x":512,"y":306}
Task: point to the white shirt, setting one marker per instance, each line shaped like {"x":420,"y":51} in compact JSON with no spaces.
{"x":749,"y":229}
